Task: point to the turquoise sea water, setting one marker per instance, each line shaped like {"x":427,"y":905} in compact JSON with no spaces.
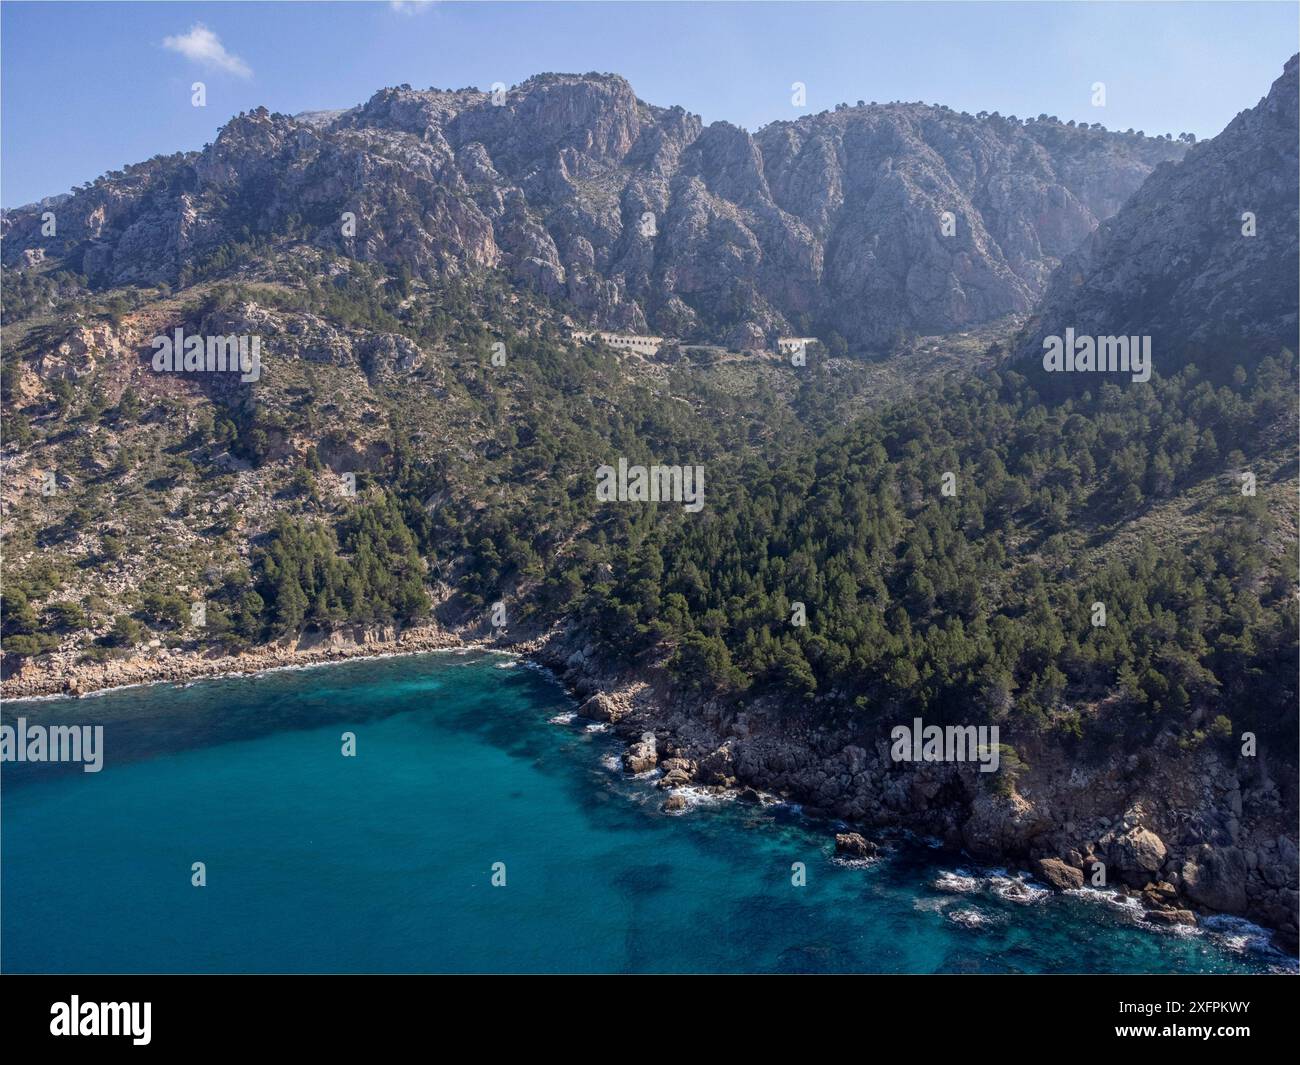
{"x":383,"y":862}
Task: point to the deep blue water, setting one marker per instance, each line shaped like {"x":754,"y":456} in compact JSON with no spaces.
{"x":383,"y":862}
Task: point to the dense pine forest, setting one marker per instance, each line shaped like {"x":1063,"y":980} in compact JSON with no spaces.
{"x":944,"y":595}
{"x":983,"y":601}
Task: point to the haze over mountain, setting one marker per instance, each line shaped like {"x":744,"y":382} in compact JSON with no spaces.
{"x":1206,"y":254}
{"x":635,"y":216}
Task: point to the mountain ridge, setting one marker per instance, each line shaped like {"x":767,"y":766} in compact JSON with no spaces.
{"x":635,"y":216}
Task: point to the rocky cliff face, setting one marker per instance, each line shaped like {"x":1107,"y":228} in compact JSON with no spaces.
{"x":1205,"y":253}
{"x":634,"y":216}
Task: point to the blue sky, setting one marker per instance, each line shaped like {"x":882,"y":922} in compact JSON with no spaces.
{"x":88,"y":87}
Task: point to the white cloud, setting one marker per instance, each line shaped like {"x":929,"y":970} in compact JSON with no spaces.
{"x":409,"y":7}
{"x":205,"y":47}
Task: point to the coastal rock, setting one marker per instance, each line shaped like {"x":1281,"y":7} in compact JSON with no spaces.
{"x":674,"y":803}
{"x":674,"y":778}
{"x":1061,"y":876}
{"x":718,"y":768}
{"x":855,"y":845}
{"x":1216,"y":877}
{"x":1135,"y":855}
{"x":643,"y":755}
{"x":1170,"y":917}
{"x":602,"y":707}
{"x":1002,"y":824}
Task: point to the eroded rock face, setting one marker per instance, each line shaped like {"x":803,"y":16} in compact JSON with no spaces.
{"x":82,"y":352}
{"x":1216,"y":877}
{"x":870,"y":221}
{"x":1002,"y":823}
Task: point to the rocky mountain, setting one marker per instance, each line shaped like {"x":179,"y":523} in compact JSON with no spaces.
{"x":629,"y":215}
{"x":1205,"y":254}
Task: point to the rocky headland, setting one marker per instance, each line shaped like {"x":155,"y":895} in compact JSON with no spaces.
{"x":1190,"y":832}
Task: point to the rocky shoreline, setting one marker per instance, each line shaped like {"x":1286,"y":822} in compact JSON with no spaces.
{"x":1185,"y":833}
{"x":1188,"y":836}
{"x":63,"y":675}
